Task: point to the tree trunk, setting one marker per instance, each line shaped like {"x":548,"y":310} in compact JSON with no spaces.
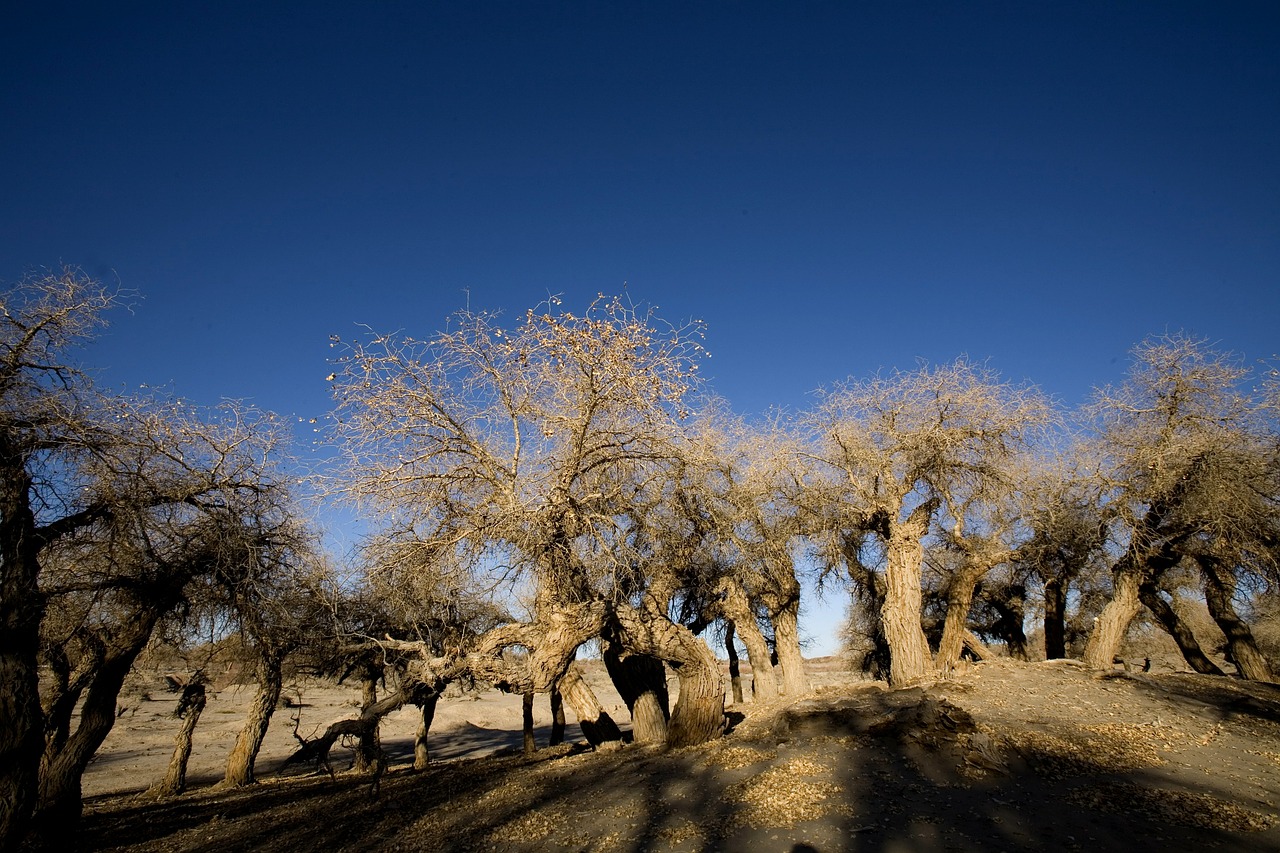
{"x":976,"y":647}
{"x":190,"y":707}
{"x":557,"y":717}
{"x":1055,"y":619}
{"x":736,"y":607}
{"x":21,"y":607}
{"x":1219,"y":589}
{"x":909,"y":658}
{"x":641,"y":681}
{"x":1178,"y":629}
{"x":735,"y":673}
{"x":59,"y":806}
{"x":421,"y":755}
{"x":245,"y":752}
{"x":1112,"y":624}
{"x":699,"y":712}
{"x":786,"y":634}
{"x":526,"y":716}
{"x":369,"y":747}
{"x":597,"y":726}
{"x":955,"y":625}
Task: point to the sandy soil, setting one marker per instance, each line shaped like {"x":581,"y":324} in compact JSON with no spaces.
{"x":1003,"y":757}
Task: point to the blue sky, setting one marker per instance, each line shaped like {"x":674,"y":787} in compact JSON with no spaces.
{"x":836,"y":188}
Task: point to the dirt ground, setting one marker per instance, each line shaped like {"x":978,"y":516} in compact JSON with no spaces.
{"x":1004,"y":756}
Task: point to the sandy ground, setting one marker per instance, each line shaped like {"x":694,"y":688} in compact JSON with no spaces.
{"x":1004,"y":756}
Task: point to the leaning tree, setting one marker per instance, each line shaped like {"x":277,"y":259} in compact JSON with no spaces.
{"x":513,"y":452}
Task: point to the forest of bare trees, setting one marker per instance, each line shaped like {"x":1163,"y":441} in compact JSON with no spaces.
{"x":562,"y":479}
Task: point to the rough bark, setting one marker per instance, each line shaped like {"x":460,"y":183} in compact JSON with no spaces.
{"x":699,"y":712}
{"x":1055,"y":619}
{"x":421,"y":753}
{"x":245,"y":752}
{"x":909,"y":657}
{"x":954,"y":627}
{"x":21,"y":735}
{"x":369,"y":745}
{"x":976,"y":647}
{"x":526,"y":715}
{"x":316,"y":750}
{"x":736,"y":607}
{"x":597,"y":726}
{"x":1110,"y":626}
{"x":735,"y":672}
{"x":641,"y":681}
{"x":1219,"y":589}
{"x":786,"y":633}
{"x":1181,"y":632}
{"x":190,"y":707}
{"x":557,"y":718}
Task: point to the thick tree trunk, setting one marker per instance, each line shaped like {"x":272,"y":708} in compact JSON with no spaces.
{"x":699,"y":712}
{"x":245,"y":752}
{"x":1219,"y":589}
{"x":786,"y":633}
{"x":1055,"y":619}
{"x":909,"y":658}
{"x":59,"y":806}
{"x":955,"y":625}
{"x":421,"y":754}
{"x":597,"y":726}
{"x":1178,"y":629}
{"x":557,"y":717}
{"x":976,"y":647}
{"x":21,"y":734}
{"x":641,"y":681}
{"x":526,"y":715}
{"x":735,"y":672}
{"x":736,"y":606}
{"x":190,"y":707}
{"x":1110,"y":626}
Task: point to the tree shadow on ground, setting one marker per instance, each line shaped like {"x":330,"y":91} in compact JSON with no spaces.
{"x":878,"y":772}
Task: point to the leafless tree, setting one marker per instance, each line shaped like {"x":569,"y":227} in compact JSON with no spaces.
{"x":510,"y":455}
{"x":1191,"y":452}
{"x":894,"y":456}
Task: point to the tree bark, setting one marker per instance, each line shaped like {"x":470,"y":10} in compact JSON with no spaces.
{"x":786,"y":633}
{"x":526,"y":718}
{"x":955,"y":625}
{"x":21,"y":608}
{"x":641,"y":681}
{"x":597,"y":726}
{"x":699,"y":712}
{"x":1110,"y":626}
{"x":909,"y":657}
{"x":421,"y":754}
{"x":557,"y":717}
{"x":1055,"y":619}
{"x":736,"y":607}
{"x":1219,"y":589}
{"x":248,"y":743}
{"x":190,"y":707}
{"x":369,"y":746}
{"x":735,"y":672}
{"x":1178,"y":629}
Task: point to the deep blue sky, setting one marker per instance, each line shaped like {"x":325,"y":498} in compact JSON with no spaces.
{"x":836,"y":188}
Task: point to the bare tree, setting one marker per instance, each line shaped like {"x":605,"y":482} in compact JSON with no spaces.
{"x":896,"y":454}
{"x":510,"y":455}
{"x":1192,"y":462}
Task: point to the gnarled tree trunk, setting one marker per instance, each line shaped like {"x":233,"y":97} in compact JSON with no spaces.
{"x":597,"y":726}
{"x":699,"y":712}
{"x":786,"y":634}
{"x":1178,"y":629}
{"x":1110,"y":626}
{"x":1055,"y":619}
{"x":955,"y":625}
{"x":736,"y":607}
{"x":249,"y":741}
{"x":557,"y":717}
{"x":190,"y":707}
{"x":909,"y":657}
{"x":1219,"y":588}
{"x":735,"y":672}
{"x":641,"y":681}
{"x":421,"y":754}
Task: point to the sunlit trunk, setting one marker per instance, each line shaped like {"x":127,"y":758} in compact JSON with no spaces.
{"x":641,"y":681}
{"x":1178,"y":630}
{"x":1219,"y":589}
{"x":597,"y":726}
{"x":190,"y":707}
{"x":248,"y":743}
{"x":735,"y":606}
